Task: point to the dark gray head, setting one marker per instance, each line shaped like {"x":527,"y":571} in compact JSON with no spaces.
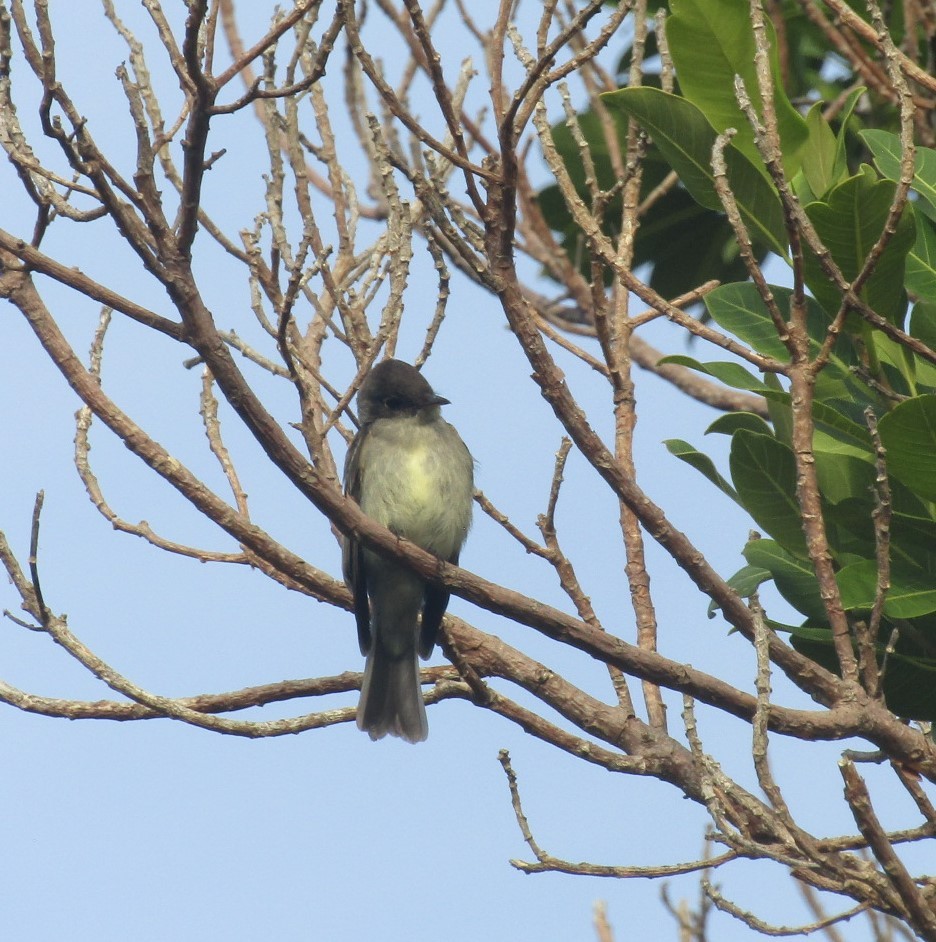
{"x":395,"y":389}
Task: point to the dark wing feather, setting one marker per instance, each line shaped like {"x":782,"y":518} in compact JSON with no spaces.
{"x":355,"y":578}
{"x":435,"y":602}
{"x":352,"y":553}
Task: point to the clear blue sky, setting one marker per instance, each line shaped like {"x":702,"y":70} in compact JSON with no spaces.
{"x":155,"y":831}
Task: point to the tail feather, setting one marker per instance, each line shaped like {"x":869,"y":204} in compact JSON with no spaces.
{"x":391,"y":697}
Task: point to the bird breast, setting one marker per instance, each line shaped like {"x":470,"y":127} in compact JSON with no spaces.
{"x":423,"y":490}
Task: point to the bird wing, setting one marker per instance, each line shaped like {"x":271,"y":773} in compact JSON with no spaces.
{"x":435,"y":602}
{"x":352,"y":553}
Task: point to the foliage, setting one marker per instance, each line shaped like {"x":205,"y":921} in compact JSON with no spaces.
{"x":877,"y":492}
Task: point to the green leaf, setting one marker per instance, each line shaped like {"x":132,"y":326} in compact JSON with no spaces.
{"x":829,"y":418}
{"x":921,"y":260}
{"x":849,"y":222}
{"x":913,"y":534}
{"x":897,"y":363}
{"x":841,"y":143}
{"x":820,"y":164}
{"x":778,"y":408}
{"x":685,"y":138}
{"x":701,"y":462}
{"x":843,"y":476}
{"x":686,"y":244}
{"x":739,"y":309}
{"x":909,"y":681}
{"x":908,"y":432}
{"x":913,"y":539}
{"x":824,"y":155}
{"x":849,"y":528}
{"x":923,"y":322}
{"x":856,"y":442}
{"x":731,"y":374}
{"x":923,"y":327}
{"x":683,"y":243}
{"x":793,"y":576}
{"x":763,"y":472}
{"x":912,"y":592}
{"x":832,"y":419}
{"x":747,"y":579}
{"x":729,"y":423}
{"x":886,"y":149}
{"x":910,"y":686}
{"x":712,"y":41}
{"x":745,"y":582}
{"x":592,"y":128}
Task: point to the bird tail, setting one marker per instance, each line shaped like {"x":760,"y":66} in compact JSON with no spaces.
{"x":391,"y":696}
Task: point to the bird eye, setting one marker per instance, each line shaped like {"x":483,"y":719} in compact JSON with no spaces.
{"x":393,"y":402}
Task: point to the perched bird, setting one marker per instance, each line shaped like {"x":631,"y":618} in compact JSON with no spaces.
{"x":409,"y":470}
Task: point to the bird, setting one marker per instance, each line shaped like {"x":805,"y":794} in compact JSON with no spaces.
{"x":409,"y":470}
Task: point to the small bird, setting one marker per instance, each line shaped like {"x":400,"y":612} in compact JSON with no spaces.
{"x":408,"y":469}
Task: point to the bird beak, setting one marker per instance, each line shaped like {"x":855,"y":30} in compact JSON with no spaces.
{"x":439,"y":401}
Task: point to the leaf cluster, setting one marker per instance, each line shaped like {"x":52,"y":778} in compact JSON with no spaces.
{"x":684,"y":238}
{"x":874,"y":411}
{"x":763,"y":480}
